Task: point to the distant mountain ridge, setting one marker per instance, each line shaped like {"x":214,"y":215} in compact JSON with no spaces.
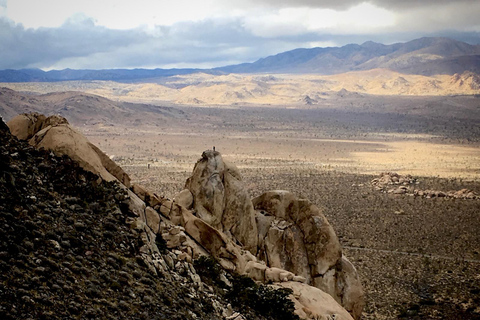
{"x":425,"y":56}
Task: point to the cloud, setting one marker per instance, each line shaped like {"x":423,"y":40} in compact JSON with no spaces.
{"x":461,"y":16}
{"x":44,"y":46}
{"x":346,"y":4}
{"x":243,"y":34}
{"x":364,"y":18}
{"x":80,"y":43}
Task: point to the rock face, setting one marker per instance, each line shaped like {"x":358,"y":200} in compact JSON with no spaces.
{"x":220,"y":199}
{"x":25,"y":126}
{"x":54,"y":133}
{"x":291,"y":235}
{"x":296,"y":236}
{"x":315,"y":304}
{"x":299,"y":236}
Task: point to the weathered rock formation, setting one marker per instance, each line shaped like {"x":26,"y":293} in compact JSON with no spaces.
{"x":25,"y":126}
{"x":55,"y":133}
{"x":290,"y":237}
{"x":221,"y":200}
{"x":296,"y":236}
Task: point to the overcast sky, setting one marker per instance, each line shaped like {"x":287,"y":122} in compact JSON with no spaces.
{"x":99,"y":34}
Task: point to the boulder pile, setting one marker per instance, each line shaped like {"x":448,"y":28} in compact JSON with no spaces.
{"x":394,"y":183}
{"x":288,"y":239}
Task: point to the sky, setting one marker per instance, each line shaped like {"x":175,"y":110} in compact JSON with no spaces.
{"x":93,"y":34}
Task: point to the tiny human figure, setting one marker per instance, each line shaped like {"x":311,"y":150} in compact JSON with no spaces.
{"x":148,"y":165}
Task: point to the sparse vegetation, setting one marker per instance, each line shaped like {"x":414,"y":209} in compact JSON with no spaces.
{"x":265,"y":300}
{"x":209,"y":270}
{"x":245,"y":295}
{"x":417,"y":257}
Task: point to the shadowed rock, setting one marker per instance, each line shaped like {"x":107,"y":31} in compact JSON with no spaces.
{"x":220,"y":199}
{"x":297,"y":237}
{"x":291,"y":235}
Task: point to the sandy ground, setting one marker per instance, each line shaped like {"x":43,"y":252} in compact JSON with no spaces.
{"x":180,"y":150}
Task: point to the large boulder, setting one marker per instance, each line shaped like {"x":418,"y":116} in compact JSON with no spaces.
{"x":25,"y":126}
{"x":55,"y":133}
{"x":300,"y":237}
{"x":221,"y":200}
{"x":291,"y":235}
{"x":313,"y":303}
{"x":297,"y":237}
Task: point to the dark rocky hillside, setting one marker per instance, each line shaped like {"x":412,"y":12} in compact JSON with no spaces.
{"x":66,"y":251}
{"x":71,"y":248}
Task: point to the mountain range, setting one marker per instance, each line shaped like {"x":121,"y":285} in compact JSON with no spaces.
{"x":425,"y":56}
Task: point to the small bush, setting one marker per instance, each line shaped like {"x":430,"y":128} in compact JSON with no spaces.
{"x":209,"y":270}
{"x":269,"y":302}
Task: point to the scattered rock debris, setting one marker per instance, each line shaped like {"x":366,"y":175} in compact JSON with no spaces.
{"x":394,"y":183}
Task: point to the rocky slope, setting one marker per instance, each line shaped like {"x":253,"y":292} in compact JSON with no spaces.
{"x":165,"y":238}
{"x":66,"y":251}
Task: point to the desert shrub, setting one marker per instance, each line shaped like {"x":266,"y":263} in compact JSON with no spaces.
{"x":267,"y":301}
{"x":209,"y":270}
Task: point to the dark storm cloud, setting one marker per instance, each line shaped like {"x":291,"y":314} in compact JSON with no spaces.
{"x":82,"y":44}
{"x":22,"y":47}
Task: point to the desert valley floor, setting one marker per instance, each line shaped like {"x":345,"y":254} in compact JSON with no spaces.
{"x":418,"y":258}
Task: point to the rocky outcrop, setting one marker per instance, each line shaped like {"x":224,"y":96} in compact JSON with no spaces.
{"x":313,"y":303}
{"x":221,"y":200}
{"x":66,"y":251}
{"x":290,"y":237}
{"x":394,"y":183}
{"x":25,"y":126}
{"x":296,"y":236}
{"x":215,"y":216}
{"x":54,"y":133}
